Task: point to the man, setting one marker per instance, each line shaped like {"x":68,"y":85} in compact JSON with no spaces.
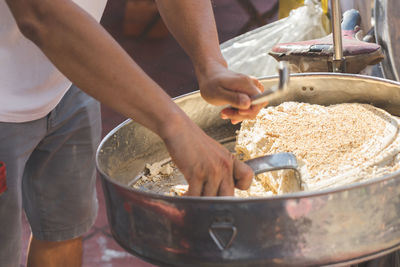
{"x":50,"y":129}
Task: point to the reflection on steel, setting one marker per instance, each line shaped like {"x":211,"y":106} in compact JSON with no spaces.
{"x":387,"y":34}
{"x":339,"y":226}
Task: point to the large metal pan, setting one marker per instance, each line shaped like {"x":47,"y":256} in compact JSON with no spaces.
{"x":342,"y":225}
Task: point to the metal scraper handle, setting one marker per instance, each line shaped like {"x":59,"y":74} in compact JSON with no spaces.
{"x":284,"y":75}
{"x":273,"y":162}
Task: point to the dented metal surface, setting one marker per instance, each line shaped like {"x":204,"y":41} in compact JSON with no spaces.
{"x":344,"y":225}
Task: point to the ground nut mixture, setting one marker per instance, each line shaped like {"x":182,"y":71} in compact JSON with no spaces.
{"x":334,"y":145}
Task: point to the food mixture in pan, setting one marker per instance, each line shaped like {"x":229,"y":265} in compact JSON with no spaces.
{"x":334,"y":145}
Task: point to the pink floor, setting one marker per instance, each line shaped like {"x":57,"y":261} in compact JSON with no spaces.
{"x":167,"y":64}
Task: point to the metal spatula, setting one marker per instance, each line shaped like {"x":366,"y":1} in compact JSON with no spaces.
{"x":274,"y":162}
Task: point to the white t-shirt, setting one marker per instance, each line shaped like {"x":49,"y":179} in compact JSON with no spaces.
{"x":30,"y":85}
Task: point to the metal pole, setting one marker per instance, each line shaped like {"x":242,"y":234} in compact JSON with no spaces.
{"x":338,"y":61}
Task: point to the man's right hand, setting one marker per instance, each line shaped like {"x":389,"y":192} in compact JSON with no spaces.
{"x":209,"y":168}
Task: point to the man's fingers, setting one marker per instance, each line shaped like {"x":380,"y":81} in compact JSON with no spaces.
{"x":228,"y":97}
{"x":230,"y":88}
{"x":237,"y":115}
{"x":252,"y":111}
{"x":210,"y":188}
{"x":233,"y":115}
{"x":243,"y":84}
{"x":195,"y":187}
{"x":243,"y":175}
{"x":257,"y":83}
{"x":227,"y":187}
{"x":236,"y":91}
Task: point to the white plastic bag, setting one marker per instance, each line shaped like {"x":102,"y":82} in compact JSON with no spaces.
{"x":248,"y":53}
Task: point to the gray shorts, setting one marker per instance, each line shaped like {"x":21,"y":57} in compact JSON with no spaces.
{"x":50,"y":165}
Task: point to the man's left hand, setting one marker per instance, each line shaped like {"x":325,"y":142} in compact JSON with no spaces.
{"x":221,"y":86}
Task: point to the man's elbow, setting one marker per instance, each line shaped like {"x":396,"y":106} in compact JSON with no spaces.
{"x":29,"y":18}
{"x":31,"y":30}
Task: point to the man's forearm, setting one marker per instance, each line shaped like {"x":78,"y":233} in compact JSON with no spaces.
{"x":83,"y":51}
{"x":192,"y":23}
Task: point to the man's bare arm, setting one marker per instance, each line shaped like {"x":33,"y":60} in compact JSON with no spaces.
{"x":192,"y":24}
{"x":83,"y":51}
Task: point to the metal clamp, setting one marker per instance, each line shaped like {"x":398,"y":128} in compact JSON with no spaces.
{"x":215,"y":232}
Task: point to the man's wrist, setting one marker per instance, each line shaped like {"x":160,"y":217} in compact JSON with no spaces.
{"x":207,"y":66}
{"x":173,"y":125}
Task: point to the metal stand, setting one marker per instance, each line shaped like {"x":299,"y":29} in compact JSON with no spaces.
{"x":338,"y":62}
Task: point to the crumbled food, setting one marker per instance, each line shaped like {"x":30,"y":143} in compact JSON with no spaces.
{"x":334,"y":145}
{"x":178,"y":190}
{"x":157,"y":168}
